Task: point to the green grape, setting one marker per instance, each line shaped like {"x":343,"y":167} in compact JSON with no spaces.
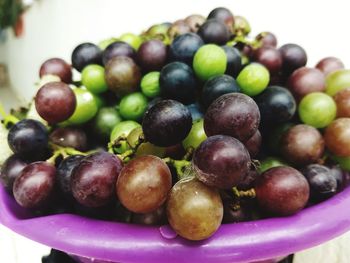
{"x":196,"y":136}
{"x":106,"y":42}
{"x":337,"y":81}
{"x":253,"y":79}
{"x":123,"y":129}
{"x":133,"y":40}
{"x":106,"y":119}
{"x":269,"y":163}
{"x":93,"y":78}
{"x":150,"y":84}
{"x":133,"y":106}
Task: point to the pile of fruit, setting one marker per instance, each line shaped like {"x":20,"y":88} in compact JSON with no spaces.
{"x":192,"y":123}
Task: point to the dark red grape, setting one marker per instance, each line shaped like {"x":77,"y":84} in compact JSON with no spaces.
{"x":154,"y":218}
{"x":342,"y":99}
{"x":178,"y":28}
{"x":233,"y":114}
{"x":35,"y":186}
{"x":234,"y":61}
{"x":329,"y":65}
{"x":302,"y":144}
{"x":214,"y":31}
{"x":167,"y":123}
{"x":221,"y":161}
{"x":224,"y":15}
{"x":253,"y":144}
{"x":116,"y":49}
{"x":122,"y":75}
{"x":293,"y":56}
{"x":86,"y":54}
{"x":143,"y":184}
{"x":64,"y":174}
{"x":27,"y":137}
{"x":152,"y":55}
{"x":322,"y":182}
{"x":267,"y":39}
{"x":194,"y":22}
{"x":69,"y":137}
{"x":306,"y":80}
{"x":93,"y":180}
{"x":57,"y":67}
{"x":270,"y":57}
{"x":282,"y":191}
{"x":10,"y":170}
{"x":184,"y":47}
{"x":234,"y":214}
{"x":337,"y":137}
{"x":249,"y":179}
{"x":55,"y":102}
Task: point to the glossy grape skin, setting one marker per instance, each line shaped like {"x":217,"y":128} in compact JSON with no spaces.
{"x":105,"y":120}
{"x":133,"y":106}
{"x":196,"y":111}
{"x":93,"y":180}
{"x":10,"y":170}
{"x":122,"y":75}
{"x":167,"y":123}
{"x":194,"y":210}
{"x":214,"y":31}
{"x":152,"y":55}
{"x":35,"y":186}
{"x":293,"y":56}
{"x":233,"y":114}
{"x":194,"y":22}
{"x":337,"y":81}
{"x":234,"y":61}
{"x":270,"y":57}
{"x":221,"y":161}
{"x":329,"y":64}
{"x":282,"y":191}
{"x":253,"y":144}
{"x":27,"y":137}
{"x":150,"y":84}
{"x":321,"y":181}
{"x":276,"y":104}
{"x":302,"y":144}
{"x":224,"y":15}
{"x":117,"y":49}
{"x":184,"y":47}
{"x":196,"y":136}
{"x":267,"y":39}
{"x":337,"y":137}
{"x":70,"y":137}
{"x":57,"y":67}
{"x":177,"y":81}
{"x":64,"y":174}
{"x":154,"y":218}
{"x":342,"y":100}
{"x":306,"y":80}
{"x":143,"y":184}
{"x":55,"y":102}
{"x":217,"y":86}
{"x":86,"y":54}
{"x":93,"y":79}
{"x":253,"y":79}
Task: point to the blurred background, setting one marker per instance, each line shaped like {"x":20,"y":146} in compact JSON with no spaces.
{"x":32,"y":31}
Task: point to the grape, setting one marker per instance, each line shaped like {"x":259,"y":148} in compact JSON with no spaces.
{"x":35,"y":185}
{"x":306,"y":80}
{"x":177,"y":81}
{"x":342,"y":100}
{"x":154,"y":218}
{"x":150,"y":84}
{"x":302,"y":144}
{"x":235,"y":215}
{"x":167,"y":123}
{"x":338,"y":174}
{"x":57,"y":67}
{"x":133,"y":40}
{"x":270,"y":162}
{"x":27,"y":137}
{"x":221,"y":161}
{"x":214,"y":31}
{"x":275,"y":135}
{"x":133,"y":106}
{"x":329,"y":65}
{"x":267,"y":39}
{"x":233,"y":114}
{"x":176,"y":151}
{"x":317,"y":109}
{"x":123,"y":129}
{"x":117,"y":49}
{"x":69,"y":137}
{"x":337,"y":81}
{"x":122,"y":75}
{"x":242,"y":26}
{"x":270,"y":57}
{"x":276,"y":104}
{"x":249,"y":179}
{"x":194,"y":210}
{"x":321,"y":180}
{"x":194,"y":22}
{"x":337,"y":137}
{"x":158,"y":31}
{"x":10,"y":170}
{"x":234,"y":61}
{"x":282,"y":191}
{"x":184,"y":47}
{"x":86,"y":54}
{"x":196,"y":111}
{"x":217,"y":86}
{"x":253,"y":79}
{"x":152,"y":55}
{"x":177,"y":29}
{"x":293,"y":57}
{"x":64,"y":174}
{"x":105,"y":120}
{"x":93,"y":180}
{"x":196,"y":136}
{"x":143,"y":184}
{"x":224,"y":15}
{"x":93,"y":78}
{"x":253,"y":144}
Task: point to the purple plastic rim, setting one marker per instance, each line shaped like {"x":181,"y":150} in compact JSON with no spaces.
{"x":243,"y":242}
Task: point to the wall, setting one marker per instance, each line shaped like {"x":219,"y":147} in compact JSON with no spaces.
{"x":55,"y":27}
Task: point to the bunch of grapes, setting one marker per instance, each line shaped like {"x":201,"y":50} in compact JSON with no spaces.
{"x":192,"y":123}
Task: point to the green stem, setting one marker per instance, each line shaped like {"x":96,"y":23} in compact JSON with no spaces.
{"x":53,"y":158}
{"x":8,"y":118}
{"x":244,"y":194}
{"x":66,"y":151}
{"x":189,"y":153}
{"x":180,"y":166}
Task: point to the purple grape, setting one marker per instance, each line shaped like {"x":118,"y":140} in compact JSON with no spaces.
{"x":10,"y":170}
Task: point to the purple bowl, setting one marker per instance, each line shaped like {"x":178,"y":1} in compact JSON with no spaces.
{"x":243,"y":242}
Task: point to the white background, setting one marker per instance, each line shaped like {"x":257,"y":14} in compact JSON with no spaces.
{"x":55,"y":27}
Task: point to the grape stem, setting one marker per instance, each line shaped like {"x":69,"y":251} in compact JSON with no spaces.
{"x":180,"y":166}
{"x":128,"y":154}
{"x":8,"y":118}
{"x":244,"y":194}
{"x":189,"y":153}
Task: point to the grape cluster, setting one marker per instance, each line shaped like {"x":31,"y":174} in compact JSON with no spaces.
{"x":193,"y":123}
